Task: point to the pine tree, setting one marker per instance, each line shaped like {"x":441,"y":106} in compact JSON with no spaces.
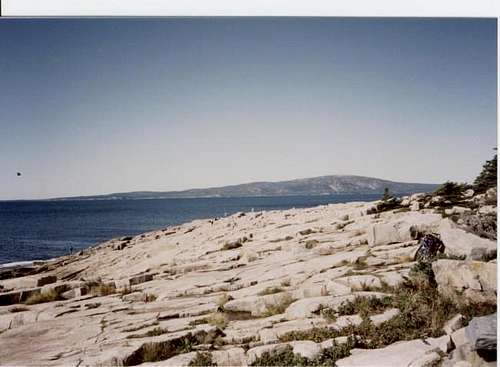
{"x":387,"y":196}
{"x":488,"y":176}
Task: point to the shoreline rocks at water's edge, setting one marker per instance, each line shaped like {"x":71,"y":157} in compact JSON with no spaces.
{"x":235,"y":286}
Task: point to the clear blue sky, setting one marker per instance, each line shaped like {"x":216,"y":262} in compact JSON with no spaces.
{"x":96,"y":106}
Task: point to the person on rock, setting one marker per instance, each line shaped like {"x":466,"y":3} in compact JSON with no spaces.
{"x":429,"y":247}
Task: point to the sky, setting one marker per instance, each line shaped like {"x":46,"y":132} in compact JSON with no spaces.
{"x":102,"y":105}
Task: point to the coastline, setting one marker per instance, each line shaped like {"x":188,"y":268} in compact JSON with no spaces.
{"x":234,"y":287}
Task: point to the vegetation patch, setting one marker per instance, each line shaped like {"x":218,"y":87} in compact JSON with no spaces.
{"x":43,"y":297}
{"x":154,"y":332}
{"x":360,"y":263}
{"x":310,"y":244}
{"x":154,"y":323}
{"x":365,"y":306}
{"x":149,"y":297}
{"x":423,"y":313}
{"x":98,"y":288}
{"x":159,"y":351}
{"x":270,"y":290}
{"x":202,"y":359}
{"x":286,"y":357}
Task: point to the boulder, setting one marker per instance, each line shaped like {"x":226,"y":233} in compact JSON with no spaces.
{"x":459,"y":338}
{"x":444,"y":343}
{"x":476,"y":281}
{"x":403,"y":228}
{"x":138,"y":279}
{"x":229,"y":357}
{"x":482,"y":332}
{"x":306,"y":348}
{"x":453,"y":324}
{"x":405,"y":353}
{"x":75,"y":292}
{"x":49,"y":279}
{"x":258,"y":305}
{"x":461,"y":243}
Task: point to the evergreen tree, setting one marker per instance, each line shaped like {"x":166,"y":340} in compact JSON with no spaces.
{"x":387,"y":195}
{"x":488,"y":176}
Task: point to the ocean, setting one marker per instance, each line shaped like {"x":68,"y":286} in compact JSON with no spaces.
{"x":39,"y":230}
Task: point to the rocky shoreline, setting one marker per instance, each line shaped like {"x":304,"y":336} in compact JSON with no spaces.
{"x":323,"y":285}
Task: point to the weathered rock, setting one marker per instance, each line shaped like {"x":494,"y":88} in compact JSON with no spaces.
{"x":306,"y":307}
{"x":461,"y":243}
{"x":402,"y":229}
{"x":444,"y":343}
{"x":229,"y":357}
{"x":459,"y":338}
{"x":453,"y":324}
{"x":360,"y":282}
{"x":482,"y":332}
{"x":138,"y":279}
{"x":46,"y":280}
{"x":75,"y":292}
{"x":258,"y":305}
{"x":406,"y":353}
{"x":306,"y":348}
{"x":475,"y":280}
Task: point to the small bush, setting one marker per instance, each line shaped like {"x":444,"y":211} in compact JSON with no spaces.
{"x":365,"y":306}
{"x":149,"y":297}
{"x":360,"y":263}
{"x":218,"y":319}
{"x":270,"y":290}
{"x":286,"y":357}
{"x":202,"y":359}
{"x":43,"y":297}
{"x":98,"y":288}
{"x":280,"y":307}
{"x":310,"y":244}
{"x":423,"y":313}
{"x":451,"y":190}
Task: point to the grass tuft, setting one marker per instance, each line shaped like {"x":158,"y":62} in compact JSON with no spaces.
{"x":270,"y":290}
{"x":202,"y":359}
{"x":43,"y":297}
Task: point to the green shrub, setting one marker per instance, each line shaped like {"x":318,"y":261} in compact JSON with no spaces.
{"x":365,"y":306}
{"x":202,"y":359}
{"x":286,"y":357}
{"x":488,"y":176}
{"x":42,"y":297}
{"x":270,"y":290}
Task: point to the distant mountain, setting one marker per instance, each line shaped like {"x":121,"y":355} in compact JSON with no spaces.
{"x":324,"y":185}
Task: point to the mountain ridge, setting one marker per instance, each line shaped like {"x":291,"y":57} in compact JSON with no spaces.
{"x":312,"y":186}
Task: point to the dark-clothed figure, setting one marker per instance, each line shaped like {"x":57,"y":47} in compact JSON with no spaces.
{"x":430,"y":245}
